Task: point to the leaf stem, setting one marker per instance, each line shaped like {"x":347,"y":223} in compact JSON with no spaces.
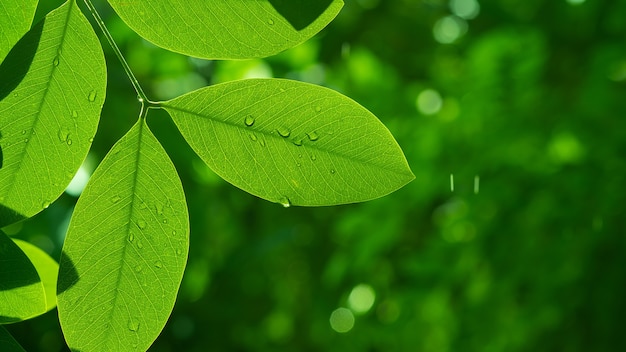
{"x":141,"y":96}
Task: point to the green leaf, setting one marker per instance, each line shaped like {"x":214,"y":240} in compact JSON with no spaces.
{"x":291,"y":142}
{"x":227,"y":29}
{"x":47,"y":269}
{"x":126,"y":249}
{"x":15,"y":19}
{"x":51,"y":94}
{"x":8,"y":343}
{"x":21,"y":291}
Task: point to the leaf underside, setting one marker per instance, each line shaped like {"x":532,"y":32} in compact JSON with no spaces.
{"x":291,"y":142}
{"x":125,"y":250}
{"x":227,"y":29}
{"x":51,"y":94}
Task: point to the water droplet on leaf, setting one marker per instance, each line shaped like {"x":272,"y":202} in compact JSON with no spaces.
{"x":56,"y":61}
{"x":74,"y":114}
{"x":23,"y":131}
{"x":297,"y":142}
{"x":253,"y":137}
{"x":283,"y":132}
{"x":313,"y":157}
{"x":133,"y":324}
{"x":179,"y":251}
{"x":69,"y":141}
{"x":158,"y":265}
{"x":249,"y":120}
{"x":270,"y":22}
{"x":92,"y":96}
{"x":262,"y":142}
{"x":318,"y":109}
{"x":141,"y":224}
{"x":131,"y":237}
{"x":115,"y":199}
{"x":285,"y":202}
{"x":332,"y":171}
{"x":63,"y":134}
{"x":313,"y":136}
{"x":45,"y":204}
{"x":139,"y":244}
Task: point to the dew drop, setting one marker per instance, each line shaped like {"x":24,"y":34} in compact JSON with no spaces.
{"x":23,"y":132}
{"x":174,"y":233}
{"x":74,"y":114}
{"x":26,"y":140}
{"x":92,"y":96}
{"x":63,"y":135}
{"x":139,"y":244}
{"x":131,"y":237}
{"x":332,"y":171}
{"x":313,"y":136}
{"x":56,"y":61}
{"x":141,"y":224}
{"x":262,"y":142}
{"x":15,"y":95}
{"x":318,"y":109}
{"x":179,"y":251}
{"x":159,"y":208}
{"x":283,"y":132}
{"x":313,"y":157}
{"x":270,"y":22}
{"x":45,"y":204}
{"x":90,"y":140}
{"x":158,"y":265}
{"x":298,"y":164}
{"x":115,"y":199}
{"x":253,"y":137}
{"x":133,"y":324}
{"x":165,"y":221}
{"x":285,"y":202}
{"x":69,"y":141}
{"x":249,"y":120}
{"x":297,"y":142}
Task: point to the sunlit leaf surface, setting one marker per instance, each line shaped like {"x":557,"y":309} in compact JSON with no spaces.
{"x":15,"y":19}
{"x":126,"y":249}
{"x":47,"y":269}
{"x":291,"y":142}
{"x":51,"y":93}
{"x":21,"y":291}
{"x":233,"y":29}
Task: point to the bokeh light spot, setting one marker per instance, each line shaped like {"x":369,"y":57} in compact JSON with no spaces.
{"x":429,"y":102}
{"x":342,"y":320}
{"x":449,"y":29}
{"x":575,"y":2}
{"x":78,"y":183}
{"x":467,"y":9}
{"x":361,"y":298}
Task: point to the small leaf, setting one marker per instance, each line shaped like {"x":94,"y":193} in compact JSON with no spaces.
{"x":47,"y":119}
{"x":126,"y":249}
{"x":47,"y":269}
{"x":21,"y":291}
{"x":15,"y":19}
{"x":307,"y":145}
{"x":233,"y":29}
{"x":8,"y":343}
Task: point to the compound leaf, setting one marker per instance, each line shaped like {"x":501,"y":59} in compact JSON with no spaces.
{"x":21,"y":291}
{"x":15,"y":19}
{"x":227,"y":29}
{"x":51,"y":94}
{"x":126,"y":249}
{"x":291,"y":142}
{"x":47,"y":269}
{"x":8,"y":343}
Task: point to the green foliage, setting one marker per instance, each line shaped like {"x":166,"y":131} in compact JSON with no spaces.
{"x":234,"y":29}
{"x":16,"y":17}
{"x":125,"y":250}
{"x":8,"y":343}
{"x":51,"y":95}
{"x":126,"y":246}
{"x":290,"y":142}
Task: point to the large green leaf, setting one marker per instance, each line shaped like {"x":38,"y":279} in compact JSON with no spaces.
{"x":21,"y":291}
{"x":51,"y":94}
{"x":291,"y":142}
{"x":126,"y":249}
{"x":15,"y":19}
{"x":47,"y":269}
{"x":8,"y":343}
{"x":227,"y":29}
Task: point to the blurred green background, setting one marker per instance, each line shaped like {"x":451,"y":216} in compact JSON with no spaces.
{"x":522,"y":101}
